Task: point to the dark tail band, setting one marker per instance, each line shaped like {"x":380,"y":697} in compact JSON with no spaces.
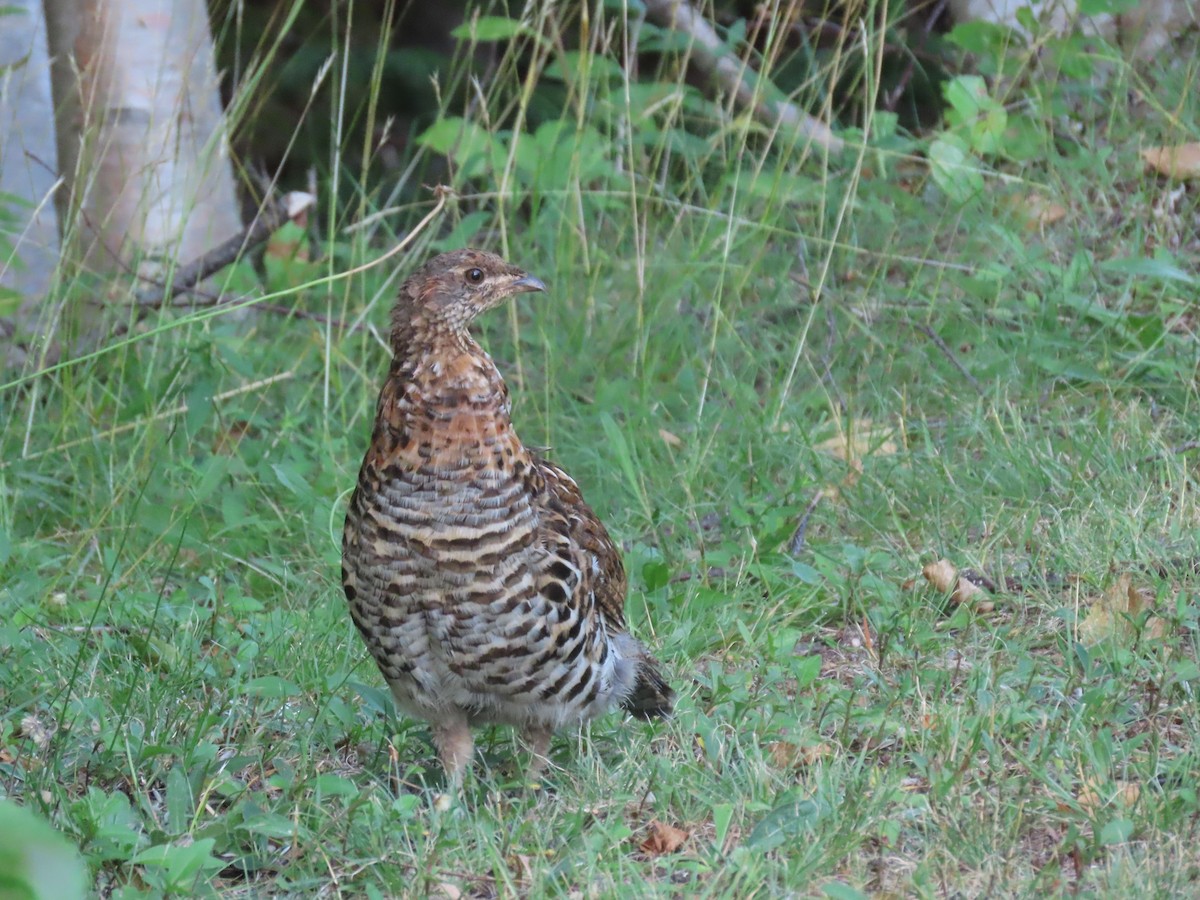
{"x":651,"y":697}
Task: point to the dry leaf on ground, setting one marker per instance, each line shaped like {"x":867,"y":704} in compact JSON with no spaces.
{"x":1040,"y":211}
{"x":1115,"y":615}
{"x":786,"y":755}
{"x":1180,"y":161}
{"x":662,"y":838}
{"x":944,"y":577}
{"x":1094,"y":794}
{"x":852,"y":444}
{"x":521,"y":864}
{"x":669,"y":438}
{"x":861,"y":438}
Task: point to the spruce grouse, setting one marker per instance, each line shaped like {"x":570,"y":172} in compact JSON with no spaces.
{"x":484,"y":586}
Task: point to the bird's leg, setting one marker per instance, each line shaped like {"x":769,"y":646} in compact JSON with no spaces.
{"x":537,"y":737}
{"x":454,"y":743}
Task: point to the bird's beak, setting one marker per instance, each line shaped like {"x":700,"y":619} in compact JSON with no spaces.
{"x":527,"y":283}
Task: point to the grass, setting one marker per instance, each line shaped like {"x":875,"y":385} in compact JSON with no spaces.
{"x":184,"y":696}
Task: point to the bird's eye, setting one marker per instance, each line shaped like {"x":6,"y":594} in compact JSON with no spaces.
{"x":474,"y":275}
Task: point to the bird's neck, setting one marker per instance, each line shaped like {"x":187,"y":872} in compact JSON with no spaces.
{"x":445,"y":376}
{"x":444,"y":410}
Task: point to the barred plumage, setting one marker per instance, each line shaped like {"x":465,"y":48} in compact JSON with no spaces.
{"x":484,"y":586}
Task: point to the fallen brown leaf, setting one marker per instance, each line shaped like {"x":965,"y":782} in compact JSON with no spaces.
{"x":860,"y":438}
{"x":227,"y":439}
{"x":522,"y":864}
{"x":945,"y":578}
{"x":786,"y":755}
{"x":1040,"y":211}
{"x":1115,"y":615}
{"x":1094,"y":796}
{"x":1180,"y":161}
{"x":662,"y":838}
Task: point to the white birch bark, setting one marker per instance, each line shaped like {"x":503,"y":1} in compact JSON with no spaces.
{"x":28,"y":167}
{"x":141,"y":134}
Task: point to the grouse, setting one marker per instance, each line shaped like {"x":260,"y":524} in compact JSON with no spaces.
{"x":483,"y":585}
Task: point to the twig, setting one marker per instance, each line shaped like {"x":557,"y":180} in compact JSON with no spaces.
{"x":443,"y":194}
{"x":796,"y":544}
{"x":893,"y":96}
{"x":827,"y":356}
{"x":950,"y":355}
{"x":710,"y":54}
{"x":290,"y":207}
{"x":1185,"y":447}
{"x":128,"y":426}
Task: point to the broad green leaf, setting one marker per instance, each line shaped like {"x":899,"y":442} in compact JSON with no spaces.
{"x":212,"y":474}
{"x":181,"y":863}
{"x":472,"y":147}
{"x":463,"y":233}
{"x":489,"y":28}
{"x":1116,"y":832}
{"x":619,"y":447}
{"x":376,"y":699}
{"x":953,"y":169}
{"x":806,"y":670}
{"x":36,"y":862}
{"x":269,"y":824}
{"x":199,"y":402}
{"x":983,"y":38}
{"x":656,"y":575}
{"x":272,"y":686}
{"x":784,"y":823}
{"x":1106,"y":7}
{"x":292,"y":480}
{"x":179,"y":801}
{"x":571,"y":65}
{"x":331,"y":785}
{"x":1158,"y":267}
{"x":975,"y":115}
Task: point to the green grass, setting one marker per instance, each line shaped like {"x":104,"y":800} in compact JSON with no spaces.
{"x":183,"y":694}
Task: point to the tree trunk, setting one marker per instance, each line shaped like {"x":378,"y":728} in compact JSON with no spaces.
{"x":28,"y":172}
{"x":141,"y":139}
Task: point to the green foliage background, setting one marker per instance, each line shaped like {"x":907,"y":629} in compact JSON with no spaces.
{"x":183,"y":694}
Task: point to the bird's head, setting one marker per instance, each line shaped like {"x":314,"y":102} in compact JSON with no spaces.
{"x":450,"y":290}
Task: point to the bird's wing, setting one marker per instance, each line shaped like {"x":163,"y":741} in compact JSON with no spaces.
{"x":581,"y":564}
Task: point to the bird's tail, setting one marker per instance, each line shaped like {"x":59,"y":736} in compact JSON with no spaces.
{"x":651,"y":697}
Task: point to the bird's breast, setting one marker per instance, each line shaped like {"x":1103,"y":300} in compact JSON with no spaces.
{"x":449,"y":479}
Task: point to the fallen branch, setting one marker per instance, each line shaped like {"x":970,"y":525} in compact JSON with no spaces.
{"x":950,"y":355}
{"x":710,"y":54}
{"x":1185,"y":447}
{"x":799,"y":536}
{"x":269,"y":219}
{"x":442,"y":195}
